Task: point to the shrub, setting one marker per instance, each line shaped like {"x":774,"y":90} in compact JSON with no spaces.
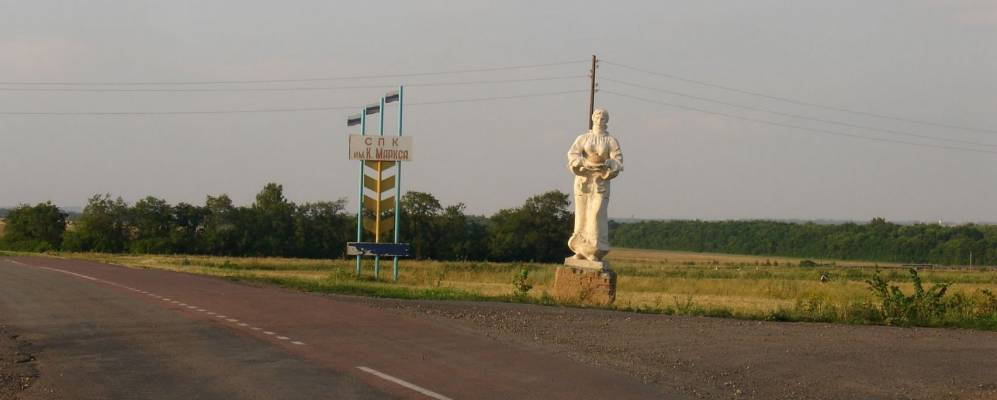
{"x":520,"y":284}
{"x":921,"y":307}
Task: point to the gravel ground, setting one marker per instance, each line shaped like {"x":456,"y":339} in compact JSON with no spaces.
{"x":715,"y":358}
{"x":17,"y":365}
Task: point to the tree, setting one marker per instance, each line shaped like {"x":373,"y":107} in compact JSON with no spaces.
{"x":273,"y":220}
{"x":537,"y":231}
{"x":187,"y":234}
{"x":221,"y":226}
{"x":321,"y":229}
{"x":461,"y":238}
{"x":152,"y":224}
{"x":419,"y":213}
{"x":34,"y":228}
{"x":102,"y":227}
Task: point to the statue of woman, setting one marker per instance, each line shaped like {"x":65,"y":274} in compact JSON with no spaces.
{"x":595,"y":158}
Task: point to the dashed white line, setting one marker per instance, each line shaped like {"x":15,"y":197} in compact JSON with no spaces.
{"x":243,"y":324}
{"x":401,"y":382}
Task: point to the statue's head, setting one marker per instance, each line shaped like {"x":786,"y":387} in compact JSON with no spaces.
{"x":600,"y":118}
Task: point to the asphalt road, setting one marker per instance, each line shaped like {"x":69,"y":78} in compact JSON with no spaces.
{"x":109,"y":332}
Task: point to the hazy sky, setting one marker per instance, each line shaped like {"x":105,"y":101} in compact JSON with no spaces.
{"x":922,"y":60}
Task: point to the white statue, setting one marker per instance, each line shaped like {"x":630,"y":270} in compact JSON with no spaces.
{"x":595,"y":158}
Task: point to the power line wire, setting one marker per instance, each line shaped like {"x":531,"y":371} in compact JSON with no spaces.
{"x":336,"y":78}
{"x":282,"y":89}
{"x":803,"y":103}
{"x":791,"y":126}
{"x":271,"y":110}
{"x":472,"y":100}
{"x":797,"y":116}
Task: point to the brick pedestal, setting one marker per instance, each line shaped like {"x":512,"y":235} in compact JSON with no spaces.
{"x":585,"y":285}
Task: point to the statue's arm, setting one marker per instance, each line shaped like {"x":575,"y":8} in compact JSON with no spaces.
{"x":614,"y":164}
{"x":575,"y":157}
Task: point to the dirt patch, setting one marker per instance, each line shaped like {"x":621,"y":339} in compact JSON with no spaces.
{"x":17,"y":364}
{"x":714,"y":358}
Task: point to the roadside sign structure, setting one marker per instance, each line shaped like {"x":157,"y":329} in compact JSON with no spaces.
{"x":378,"y":209}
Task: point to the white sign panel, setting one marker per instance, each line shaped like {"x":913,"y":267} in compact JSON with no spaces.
{"x":380,"y":148}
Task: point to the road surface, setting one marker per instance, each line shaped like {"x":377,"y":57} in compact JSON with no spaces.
{"x":110,"y":332}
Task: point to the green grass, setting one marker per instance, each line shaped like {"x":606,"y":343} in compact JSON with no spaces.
{"x":675,"y":283}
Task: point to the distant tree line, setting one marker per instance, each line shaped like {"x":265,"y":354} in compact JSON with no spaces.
{"x":877,"y":240}
{"x":274,"y":226}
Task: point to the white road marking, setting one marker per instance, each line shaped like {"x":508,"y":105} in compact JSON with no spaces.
{"x":62,"y":271}
{"x":243,"y":324}
{"x":401,"y":382}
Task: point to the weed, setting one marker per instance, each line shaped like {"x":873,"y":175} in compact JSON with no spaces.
{"x":923,"y":306}
{"x":685,"y":307}
{"x":520,"y":284}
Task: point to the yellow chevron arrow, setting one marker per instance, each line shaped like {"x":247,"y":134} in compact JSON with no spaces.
{"x":386,"y":184}
{"x":370,"y":204}
{"x":387,"y":225}
{"x":384,"y":164}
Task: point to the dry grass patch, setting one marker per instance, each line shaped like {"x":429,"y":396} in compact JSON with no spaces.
{"x":649,"y":280}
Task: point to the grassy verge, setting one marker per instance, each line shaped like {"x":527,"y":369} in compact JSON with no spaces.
{"x":675,"y":283}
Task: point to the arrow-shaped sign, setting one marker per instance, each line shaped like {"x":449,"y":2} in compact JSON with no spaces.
{"x":386,"y":183}
{"x":387,"y":225}
{"x":370,"y":204}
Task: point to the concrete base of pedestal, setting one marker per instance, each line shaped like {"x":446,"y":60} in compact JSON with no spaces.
{"x":585,"y":285}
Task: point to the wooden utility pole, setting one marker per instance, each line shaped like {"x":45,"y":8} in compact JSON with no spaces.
{"x":592,"y":92}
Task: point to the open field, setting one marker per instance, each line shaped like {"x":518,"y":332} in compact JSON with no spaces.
{"x":747,"y":287}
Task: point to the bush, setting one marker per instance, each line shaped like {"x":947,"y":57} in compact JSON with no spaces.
{"x":923,"y":307}
{"x":520,"y":284}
